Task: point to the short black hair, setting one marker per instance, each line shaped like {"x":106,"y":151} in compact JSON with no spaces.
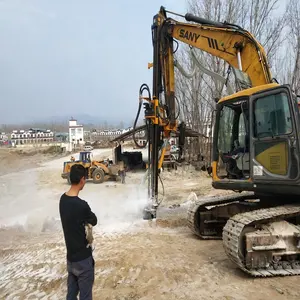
{"x":76,"y":173}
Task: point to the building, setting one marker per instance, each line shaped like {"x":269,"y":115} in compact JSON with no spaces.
{"x":109,"y":132}
{"x":76,"y":136}
{"x":31,"y":136}
{"x":97,"y":135}
{"x":3,"y":138}
{"x":208,"y":128}
{"x":62,"y":137}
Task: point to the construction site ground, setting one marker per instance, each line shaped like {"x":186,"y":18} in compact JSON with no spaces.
{"x":135,"y":259}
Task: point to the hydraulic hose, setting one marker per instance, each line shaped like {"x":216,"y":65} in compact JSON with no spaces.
{"x":144,"y":87}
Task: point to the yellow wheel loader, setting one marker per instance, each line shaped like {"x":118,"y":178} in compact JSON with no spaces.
{"x":97,"y":171}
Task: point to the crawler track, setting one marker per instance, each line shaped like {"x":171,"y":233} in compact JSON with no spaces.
{"x":233,"y":235}
{"x":199,"y":207}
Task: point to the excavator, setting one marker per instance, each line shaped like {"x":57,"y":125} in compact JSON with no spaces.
{"x":255,"y":150}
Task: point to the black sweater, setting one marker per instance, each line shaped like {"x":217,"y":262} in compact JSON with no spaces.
{"x":74,"y":214}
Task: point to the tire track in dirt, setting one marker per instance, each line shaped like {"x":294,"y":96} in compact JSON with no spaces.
{"x":34,"y":269}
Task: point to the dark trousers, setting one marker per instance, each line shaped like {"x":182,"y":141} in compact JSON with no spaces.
{"x":122,"y":174}
{"x":81,"y":276}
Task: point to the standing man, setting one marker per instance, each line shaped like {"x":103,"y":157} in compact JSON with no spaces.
{"x":122,"y":173}
{"x":75,"y":214}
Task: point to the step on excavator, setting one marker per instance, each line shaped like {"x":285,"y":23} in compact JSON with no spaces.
{"x":255,"y":152}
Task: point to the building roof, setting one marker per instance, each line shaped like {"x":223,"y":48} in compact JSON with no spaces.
{"x":61,"y":133}
{"x":188,"y":133}
{"x":32,"y":131}
{"x":39,"y":129}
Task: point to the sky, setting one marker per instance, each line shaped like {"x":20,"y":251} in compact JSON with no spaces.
{"x":67,"y":58}
{"x":62,"y":58}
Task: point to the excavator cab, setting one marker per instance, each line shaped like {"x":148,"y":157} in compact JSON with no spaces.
{"x":256,"y":144}
{"x":86,"y":156}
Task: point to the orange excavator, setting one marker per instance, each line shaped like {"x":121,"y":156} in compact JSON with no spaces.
{"x":255,"y":153}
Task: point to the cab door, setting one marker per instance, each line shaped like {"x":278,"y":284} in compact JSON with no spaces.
{"x":274,"y":136}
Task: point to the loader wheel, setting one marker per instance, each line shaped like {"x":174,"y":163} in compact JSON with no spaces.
{"x":98,"y":176}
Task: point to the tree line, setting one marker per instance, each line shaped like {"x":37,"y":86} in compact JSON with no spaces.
{"x":274,"y":24}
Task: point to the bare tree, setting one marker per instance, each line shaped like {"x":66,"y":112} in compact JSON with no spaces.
{"x":197,"y":95}
{"x":293,"y":22}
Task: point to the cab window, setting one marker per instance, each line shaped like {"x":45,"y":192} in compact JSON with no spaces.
{"x":242,"y":131}
{"x":225,"y":129}
{"x":272,"y":116}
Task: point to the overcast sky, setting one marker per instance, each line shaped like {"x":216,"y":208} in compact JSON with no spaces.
{"x":66,"y":57}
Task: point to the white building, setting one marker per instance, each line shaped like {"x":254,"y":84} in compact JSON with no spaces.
{"x":111,"y":133}
{"x":31,"y":136}
{"x":208,"y":129}
{"x":76,"y":136}
{"x":3,"y":136}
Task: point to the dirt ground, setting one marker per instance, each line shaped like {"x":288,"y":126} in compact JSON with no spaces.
{"x":135,"y":259}
{"x":15,"y":160}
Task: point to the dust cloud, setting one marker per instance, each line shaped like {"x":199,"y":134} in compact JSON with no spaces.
{"x":29,"y":199}
{"x":22,"y":203}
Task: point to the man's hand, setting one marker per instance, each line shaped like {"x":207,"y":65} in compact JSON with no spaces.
{"x":89,"y":234}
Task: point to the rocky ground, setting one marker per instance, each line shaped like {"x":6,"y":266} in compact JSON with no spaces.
{"x":135,"y":259}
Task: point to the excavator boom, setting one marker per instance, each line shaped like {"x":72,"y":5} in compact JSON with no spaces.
{"x":236,"y":46}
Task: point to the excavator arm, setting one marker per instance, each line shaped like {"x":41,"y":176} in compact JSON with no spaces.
{"x":234,"y":45}
{"x":223,"y":40}
{"x":226,"y":41}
